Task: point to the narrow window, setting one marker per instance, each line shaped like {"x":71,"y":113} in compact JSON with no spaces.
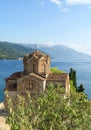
{"x":34,"y":68}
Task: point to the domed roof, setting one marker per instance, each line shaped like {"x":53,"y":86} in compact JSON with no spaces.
{"x":37,"y":54}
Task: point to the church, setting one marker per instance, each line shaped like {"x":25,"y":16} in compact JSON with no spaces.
{"x":35,"y":77}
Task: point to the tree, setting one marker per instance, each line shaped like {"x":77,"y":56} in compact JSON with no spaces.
{"x":81,"y":88}
{"x":72,"y":76}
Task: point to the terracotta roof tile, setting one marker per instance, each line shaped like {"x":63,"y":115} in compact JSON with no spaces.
{"x":58,"y":77}
{"x":16,"y":75}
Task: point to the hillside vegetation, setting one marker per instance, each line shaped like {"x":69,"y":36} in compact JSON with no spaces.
{"x":12,"y":51}
{"x":57,"y":52}
{"x":51,"y":111}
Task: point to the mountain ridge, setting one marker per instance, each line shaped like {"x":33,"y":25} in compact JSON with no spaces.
{"x":9,"y":50}
{"x":61,"y":52}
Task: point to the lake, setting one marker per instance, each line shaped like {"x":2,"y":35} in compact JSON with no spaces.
{"x":83,"y":70}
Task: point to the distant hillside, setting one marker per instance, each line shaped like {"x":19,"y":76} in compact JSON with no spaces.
{"x":58,"y":52}
{"x":62,"y":53}
{"x":12,"y":51}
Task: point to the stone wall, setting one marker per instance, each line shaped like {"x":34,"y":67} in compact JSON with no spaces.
{"x":67,"y":85}
{"x":30,"y":83}
{"x":44,"y":65}
{"x":38,"y":66}
{"x":10,"y":94}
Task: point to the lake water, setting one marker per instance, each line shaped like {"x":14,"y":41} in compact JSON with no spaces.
{"x":83,"y":69}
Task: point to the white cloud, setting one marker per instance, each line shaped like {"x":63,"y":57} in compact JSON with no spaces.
{"x":71,"y":2}
{"x":57,"y":2}
{"x":65,"y":4}
{"x":49,"y":43}
{"x":78,"y":2}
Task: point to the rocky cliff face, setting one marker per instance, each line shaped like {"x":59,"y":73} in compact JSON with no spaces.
{"x":3,"y":114}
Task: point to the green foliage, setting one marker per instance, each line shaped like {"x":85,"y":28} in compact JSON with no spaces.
{"x":72,"y":76}
{"x":72,"y":87}
{"x":81,"y":88}
{"x":56,"y":70}
{"x":73,"y":82}
{"x":51,"y":111}
{"x":12,"y":51}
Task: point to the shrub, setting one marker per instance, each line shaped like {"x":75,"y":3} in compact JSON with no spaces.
{"x":51,"y":111}
{"x":56,"y":70}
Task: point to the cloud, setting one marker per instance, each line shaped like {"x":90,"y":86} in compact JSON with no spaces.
{"x":71,"y":2}
{"x":57,"y":2}
{"x":66,"y":4}
{"x":78,"y":2}
{"x":50,"y":43}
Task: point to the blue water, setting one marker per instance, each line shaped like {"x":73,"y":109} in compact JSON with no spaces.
{"x":83,"y":72}
{"x":83,"y":69}
{"x":7,"y":67}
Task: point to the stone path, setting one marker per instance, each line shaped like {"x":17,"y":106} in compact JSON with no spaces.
{"x":3,"y":114}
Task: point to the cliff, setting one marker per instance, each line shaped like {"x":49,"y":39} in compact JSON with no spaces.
{"x":3,"y":114}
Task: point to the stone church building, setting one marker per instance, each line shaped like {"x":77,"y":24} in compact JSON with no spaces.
{"x":35,"y":77}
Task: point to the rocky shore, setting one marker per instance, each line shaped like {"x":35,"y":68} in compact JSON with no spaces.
{"x":3,"y":114}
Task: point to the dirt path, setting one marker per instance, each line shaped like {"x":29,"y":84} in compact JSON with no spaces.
{"x":3,"y":114}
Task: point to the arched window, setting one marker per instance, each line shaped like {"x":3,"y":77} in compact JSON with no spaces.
{"x":34,"y":68}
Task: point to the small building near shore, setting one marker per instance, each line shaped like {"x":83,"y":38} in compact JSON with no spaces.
{"x":35,"y":77}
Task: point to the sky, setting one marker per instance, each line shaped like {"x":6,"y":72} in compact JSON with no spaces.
{"x":66,"y":22}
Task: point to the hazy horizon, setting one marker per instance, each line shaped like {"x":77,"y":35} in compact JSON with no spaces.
{"x":50,"y":22}
{"x":46,"y":44}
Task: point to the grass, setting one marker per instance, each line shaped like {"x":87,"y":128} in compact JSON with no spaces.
{"x":56,"y":70}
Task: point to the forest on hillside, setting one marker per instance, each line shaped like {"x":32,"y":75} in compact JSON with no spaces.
{"x":12,"y":51}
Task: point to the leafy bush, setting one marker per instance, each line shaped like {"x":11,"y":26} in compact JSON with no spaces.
{"x":51,"y":111}
{"x":56,"y":70}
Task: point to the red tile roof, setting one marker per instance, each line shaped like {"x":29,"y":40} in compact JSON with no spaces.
{"x":57,"y":77}
{"x":51,"y":76}
{"x":16,"y":75}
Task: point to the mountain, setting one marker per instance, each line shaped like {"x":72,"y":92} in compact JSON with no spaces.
{"x":12,"y":51}
{"x":57,"y":52}
{"x":61,"y":52}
